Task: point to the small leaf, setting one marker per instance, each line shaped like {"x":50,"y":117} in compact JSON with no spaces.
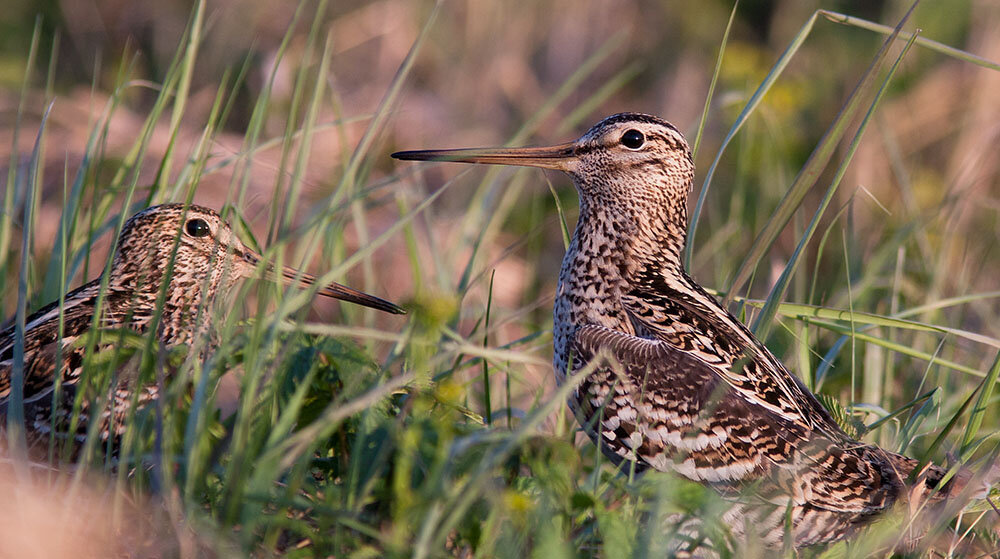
{"x":854,"y":428}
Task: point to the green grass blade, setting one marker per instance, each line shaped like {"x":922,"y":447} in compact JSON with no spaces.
{"x":980,"y":409}
{"x":801,"y":310}
{"x":899,"y":411}
{"x":563,"y":225}
{"x":487,"y":403}
{"x":468,"y":491}
{"x":943,"y":434}
{"x":182,"y":91}
{"x":708,"y":99}
{"x":568,"y":87}
{"x":751,"y":106}
{"x":383,"y":111}
{"x":762,"y":325}
{"x":811,"y":170}
{"x":595,"y":100}
{"x":7,"y":215}
{"x":897,"y":347}
{"x":922,"y":41}
{"x":16,"y":442}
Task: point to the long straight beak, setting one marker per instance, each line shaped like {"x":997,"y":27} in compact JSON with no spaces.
{"x":559,"y":157}
{"x":333,"y":290}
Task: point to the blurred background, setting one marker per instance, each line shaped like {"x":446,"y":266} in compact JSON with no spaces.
{"x":913,"y":228}
{"x":918,"y":209}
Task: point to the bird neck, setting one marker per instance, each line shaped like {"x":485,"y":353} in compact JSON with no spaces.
{"x":610,"y":246}
{"x":133,"y":299}
{"x":620,"y":240}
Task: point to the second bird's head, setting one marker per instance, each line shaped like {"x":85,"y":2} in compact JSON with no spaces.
{"x":209,"y":258}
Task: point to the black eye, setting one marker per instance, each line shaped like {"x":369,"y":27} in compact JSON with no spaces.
{"x":633,"y":139}
{"x":197,"y":227}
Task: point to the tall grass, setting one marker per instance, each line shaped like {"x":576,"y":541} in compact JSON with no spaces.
{"x":436,"y":435}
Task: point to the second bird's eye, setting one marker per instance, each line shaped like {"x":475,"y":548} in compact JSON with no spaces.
{"x":633,"y":139}
{"x":197,"y":227}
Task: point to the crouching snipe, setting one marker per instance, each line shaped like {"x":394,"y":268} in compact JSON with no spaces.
{"x":207,"y":261}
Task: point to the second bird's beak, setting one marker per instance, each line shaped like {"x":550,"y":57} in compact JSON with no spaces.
{"x":559,"y":157}
{"x":334,"y":290}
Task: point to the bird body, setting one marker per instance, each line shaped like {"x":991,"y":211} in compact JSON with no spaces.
{"x":680,"y":384}
{"x":207,"y":261}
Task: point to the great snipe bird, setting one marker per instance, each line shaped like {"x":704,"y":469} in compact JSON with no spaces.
{"x":208,"y":262}
{"x":684,"y":386}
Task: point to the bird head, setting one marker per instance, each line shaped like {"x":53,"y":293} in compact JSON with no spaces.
{"x":209,"y":258}
{"x":630,"y":164}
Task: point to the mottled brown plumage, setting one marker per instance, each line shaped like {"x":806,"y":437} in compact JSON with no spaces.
{"x":208,"y":260}
{"x":682,"y":385}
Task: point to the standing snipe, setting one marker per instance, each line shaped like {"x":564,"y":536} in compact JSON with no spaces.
{"x":682,"y":385}
{"x":209,"y":260}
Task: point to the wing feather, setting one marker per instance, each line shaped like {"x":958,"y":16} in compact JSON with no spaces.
{"x":668,"y":410}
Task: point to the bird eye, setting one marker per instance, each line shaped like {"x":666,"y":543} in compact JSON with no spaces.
{"x":633,"y":139}
{"x":197,"y":227}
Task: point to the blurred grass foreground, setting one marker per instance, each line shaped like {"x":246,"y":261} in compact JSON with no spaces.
{"x":317,"y":430}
